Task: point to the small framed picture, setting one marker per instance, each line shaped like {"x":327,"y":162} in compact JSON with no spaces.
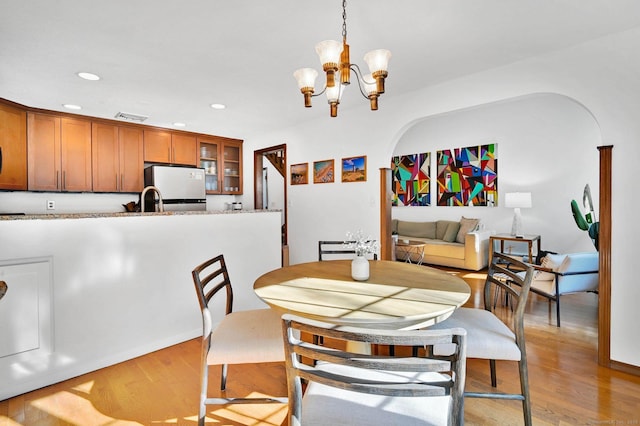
{"x":354,"y":169}
{"x":323,"y":171}
{"x":300,"y":174}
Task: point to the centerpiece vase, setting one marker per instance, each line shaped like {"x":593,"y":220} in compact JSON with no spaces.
{"x":360,"y":268}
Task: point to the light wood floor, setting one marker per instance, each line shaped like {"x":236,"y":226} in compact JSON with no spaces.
{"x":567,"y":385}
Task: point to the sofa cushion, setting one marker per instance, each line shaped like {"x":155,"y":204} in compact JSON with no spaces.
{"x":417,"y":229}
{"x":466,"y":225}
{"x":441,"y":228}
{"x":443,"y":249}
{"x":452,"y":232}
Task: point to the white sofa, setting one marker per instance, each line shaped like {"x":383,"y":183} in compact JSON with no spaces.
{"x":447,"y":243}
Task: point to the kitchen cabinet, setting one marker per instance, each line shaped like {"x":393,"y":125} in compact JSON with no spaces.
{"x":117,"y":158}
{"x":59,"y":153}
{"x":171,"y":148}
{"x":13,"y":148}
{"x":221,"y":158}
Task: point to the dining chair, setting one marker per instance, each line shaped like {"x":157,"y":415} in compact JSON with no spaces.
{"x":358,"y":389}
{"x":241,"y":337}
{"x":332,"y":250}
{"x":488,"y":337}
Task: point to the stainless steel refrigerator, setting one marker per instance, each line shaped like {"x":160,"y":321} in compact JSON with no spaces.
{"x":181,"y":188}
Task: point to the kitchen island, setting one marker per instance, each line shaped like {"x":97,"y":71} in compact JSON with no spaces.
{"x":89,"y":291}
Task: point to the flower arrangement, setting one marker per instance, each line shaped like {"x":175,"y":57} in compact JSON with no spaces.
{"x":362,"y":245}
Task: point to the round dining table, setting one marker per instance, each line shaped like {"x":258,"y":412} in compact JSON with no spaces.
{"x":397,"y":295}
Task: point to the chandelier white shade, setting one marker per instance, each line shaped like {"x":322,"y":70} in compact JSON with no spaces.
{"x":516,"y":201}
{"x":334,"y":57}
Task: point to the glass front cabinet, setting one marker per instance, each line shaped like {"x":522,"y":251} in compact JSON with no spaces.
{"x":221,"y":159}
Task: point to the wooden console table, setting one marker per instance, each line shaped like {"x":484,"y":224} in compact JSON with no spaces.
{"x":528,"y":239}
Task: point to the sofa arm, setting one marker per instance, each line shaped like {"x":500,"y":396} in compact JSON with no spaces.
{"x":476,"y":249}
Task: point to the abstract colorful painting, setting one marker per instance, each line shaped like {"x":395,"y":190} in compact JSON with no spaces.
{"x":468,"y":176}
{"x":411,"y":179}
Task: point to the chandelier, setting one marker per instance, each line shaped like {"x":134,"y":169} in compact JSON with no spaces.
{"x":334,"y":57}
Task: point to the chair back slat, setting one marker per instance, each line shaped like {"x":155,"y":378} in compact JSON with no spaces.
{"x":209,"y":278}
{"x":393,"y":376}
{"x":333,"y":250}
{"x":514,"y":277}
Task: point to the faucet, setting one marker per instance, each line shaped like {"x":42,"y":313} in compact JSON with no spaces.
{"x":144,"y":192}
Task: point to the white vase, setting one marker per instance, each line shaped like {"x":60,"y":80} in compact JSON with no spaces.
{"x":360,"y":268}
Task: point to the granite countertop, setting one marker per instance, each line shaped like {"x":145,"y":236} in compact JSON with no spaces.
{"x":123,"y":214}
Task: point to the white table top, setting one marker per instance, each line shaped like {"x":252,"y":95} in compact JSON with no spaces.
{"x":397,"y":295}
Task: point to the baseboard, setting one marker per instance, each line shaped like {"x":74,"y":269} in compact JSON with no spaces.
{"x":625,"y":368}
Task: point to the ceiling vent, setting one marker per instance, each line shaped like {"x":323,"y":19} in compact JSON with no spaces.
{"x":131,"y":117}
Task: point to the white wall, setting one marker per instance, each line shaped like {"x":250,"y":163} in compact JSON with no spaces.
{"x":122,"y":287}
{"x":546,"y":145}
{"x":602,"y":75}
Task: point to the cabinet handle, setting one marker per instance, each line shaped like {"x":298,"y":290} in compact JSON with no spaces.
{"x":57,"y":179}
{"x":64,"y":180}
{"x":0,"y":159}
{"x":122,"y":182}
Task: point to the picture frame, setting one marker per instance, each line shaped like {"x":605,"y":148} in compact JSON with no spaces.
{"x":354,"y":169}
{"x":299,"y":174}
{"x":323,"y":171}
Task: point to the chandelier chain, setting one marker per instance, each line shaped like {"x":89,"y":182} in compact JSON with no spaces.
{"x":344,"y":21}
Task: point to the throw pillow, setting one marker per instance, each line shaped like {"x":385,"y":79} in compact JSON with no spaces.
{"x":441,"y":228}
{"x":466,"y":225}
{"x":452,"y":232}
{"x":552,"y":261}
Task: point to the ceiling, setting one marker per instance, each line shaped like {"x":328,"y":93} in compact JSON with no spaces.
{"x":169,"y":60}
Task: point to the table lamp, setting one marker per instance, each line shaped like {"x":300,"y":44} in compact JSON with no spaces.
{"x":517,"y":201}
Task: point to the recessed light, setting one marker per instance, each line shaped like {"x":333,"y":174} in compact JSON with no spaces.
{"x":218,"y":106}
{"x":177,"y":124}
{"x":71,"y":106}
{"x":88,"y":76}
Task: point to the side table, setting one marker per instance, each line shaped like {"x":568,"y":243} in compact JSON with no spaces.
{"x":409,"y":247}
{"x":528,"y":239}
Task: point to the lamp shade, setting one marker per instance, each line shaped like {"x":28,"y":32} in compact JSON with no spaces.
{"x":377,"y":60}
{"x":306,"y":77}
{"x":334,"y":93}
{"x":329,"y":51}
{"x":517,"y":200}
{"x":369,"y":84}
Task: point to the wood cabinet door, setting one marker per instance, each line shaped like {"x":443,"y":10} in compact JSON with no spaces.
{"x":131,"y":159}
{"x":184,"y":149}
{"x":232,"y":167}
{"x":43,"y":152}
{"x":157,"y":146}
{"x":75,"y":136}
{"x":13,"y":148}
{"x":105,"y":157}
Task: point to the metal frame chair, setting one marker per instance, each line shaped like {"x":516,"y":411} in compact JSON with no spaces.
{"x":490,"y":338}
{"x":361,"y":389}
{"x":241,"y":337}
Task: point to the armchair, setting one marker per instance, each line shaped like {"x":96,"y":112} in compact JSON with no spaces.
{"x":561,"y":274}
